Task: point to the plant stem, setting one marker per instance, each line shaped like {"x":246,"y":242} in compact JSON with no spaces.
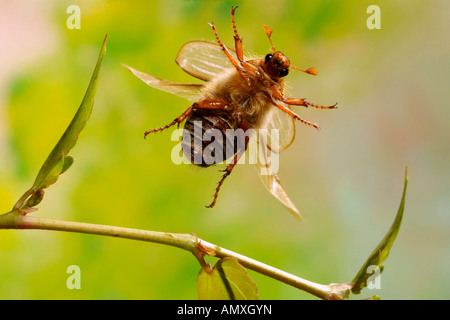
{"x":189,"y":242}
{"x":19,"y":204}
{"x":326,"y":292}
{"x":184,"y":241}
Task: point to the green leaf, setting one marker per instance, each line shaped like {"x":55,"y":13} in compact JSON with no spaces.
{"x":53,"y":174}
{"x":381,"y":252}
{"x":68,"y":161}
{"x":228,"y":280}
{"x":58,"y":160}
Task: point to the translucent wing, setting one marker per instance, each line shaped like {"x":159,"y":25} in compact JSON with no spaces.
{"x":284,"y":123}
{"x":203,"y":60}
{"x":188,"y":91}
{"x":270,"y":179}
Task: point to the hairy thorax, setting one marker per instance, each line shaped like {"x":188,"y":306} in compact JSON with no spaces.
{"x":250,"y":101}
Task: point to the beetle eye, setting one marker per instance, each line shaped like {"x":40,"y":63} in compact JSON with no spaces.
{"x":284,"y":72}
{"x":269,"y":57}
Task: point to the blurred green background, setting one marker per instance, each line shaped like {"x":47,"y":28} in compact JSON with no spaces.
{"x":392,"y":88}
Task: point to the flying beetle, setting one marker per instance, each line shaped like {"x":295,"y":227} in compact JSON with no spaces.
{"x":238,"y":93}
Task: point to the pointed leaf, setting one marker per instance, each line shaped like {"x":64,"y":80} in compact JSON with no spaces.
{"x":381,"y":252}
{"x":228,"y":280}
{"x":48,"y":174}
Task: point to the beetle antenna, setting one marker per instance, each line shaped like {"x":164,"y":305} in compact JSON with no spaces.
{"x":269,"y":35}
{"x":312,"y":70}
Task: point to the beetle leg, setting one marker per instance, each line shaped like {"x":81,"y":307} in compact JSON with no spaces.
{"x":241,"y":66}
{"x":296,"y":116}
{"x":225,"y":49}
{"x":303,"y":102}
{"x":297,"y":102}
{"x":247,"y":67}
{"x":244,"y":141}
{"x":203,"y":104}
{"x":237,"y":39}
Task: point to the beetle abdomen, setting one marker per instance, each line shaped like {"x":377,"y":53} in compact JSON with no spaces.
{"x":208,"y":139}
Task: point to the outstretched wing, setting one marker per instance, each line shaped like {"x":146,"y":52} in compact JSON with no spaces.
{"x":270,"y":179}
{"x":189,"y":91}
{"x":203,"y":60}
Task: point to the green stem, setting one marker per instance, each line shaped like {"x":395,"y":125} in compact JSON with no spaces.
{"x":19,"y":204}
{"x":189,"y":242}
{"x":13,"y":221}
{"x":327,"y":292}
